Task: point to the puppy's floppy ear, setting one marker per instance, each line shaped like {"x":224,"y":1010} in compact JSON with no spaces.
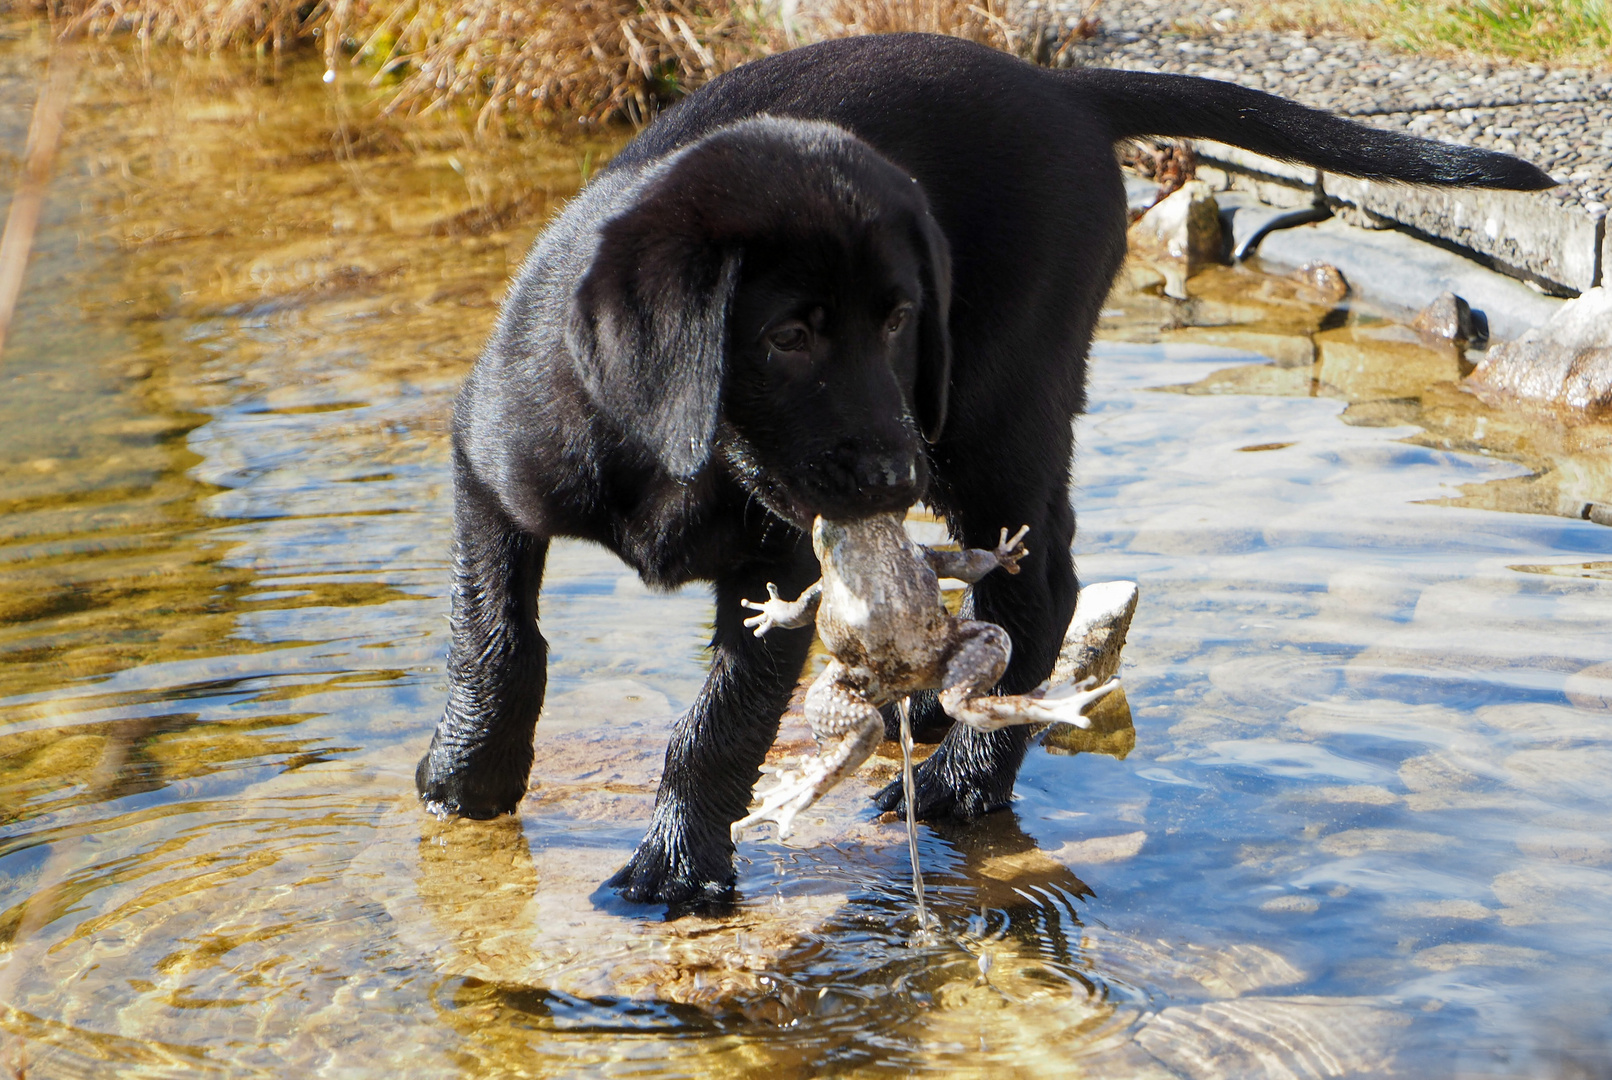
{"x":648,"y":331}
{"x":933,"y":390}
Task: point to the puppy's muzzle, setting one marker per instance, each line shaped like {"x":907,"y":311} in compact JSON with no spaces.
{"x":851,"y":482}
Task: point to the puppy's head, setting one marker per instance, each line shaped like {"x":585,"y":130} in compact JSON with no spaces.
{"x":777,"y":292}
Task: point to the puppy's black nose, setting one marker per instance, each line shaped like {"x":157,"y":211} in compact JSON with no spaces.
{"x":887,"y":471}
{"x":888,"y":480}
{"x":852,"y":482}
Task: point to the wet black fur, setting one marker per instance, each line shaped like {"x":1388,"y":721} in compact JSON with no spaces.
{"x":830,"y":282}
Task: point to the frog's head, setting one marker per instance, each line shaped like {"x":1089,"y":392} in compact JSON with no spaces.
{"x":826,"y":535}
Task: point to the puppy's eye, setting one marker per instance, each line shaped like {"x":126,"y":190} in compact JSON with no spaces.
{"x":791,"y":337}
{"x":897,"y":318}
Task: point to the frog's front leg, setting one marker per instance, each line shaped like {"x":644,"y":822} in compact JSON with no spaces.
{"x":978,"y":659}
{"x":848,"y":729}
{"x":971,"y":564}
{"x":789,"y":614}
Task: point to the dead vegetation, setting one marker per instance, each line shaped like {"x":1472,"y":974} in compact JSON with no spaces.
{"x":501,"y":61}
{"x":1168,"y":162}
{"x":589,"y":59}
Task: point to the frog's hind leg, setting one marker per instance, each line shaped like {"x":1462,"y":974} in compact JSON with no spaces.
{"x":848,"y":729}
{"x":978,"y":660}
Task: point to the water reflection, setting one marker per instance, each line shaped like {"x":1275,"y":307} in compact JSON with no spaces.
{"x":1350,"y":820}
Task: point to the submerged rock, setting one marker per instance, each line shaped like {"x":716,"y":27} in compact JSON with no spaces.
{"x":1325,"y":279}
{"x":1287,"y":350}
{"x":1179,"y":236}
{"x":1386,"y":362}
{"x":1567,"y":362}
{"x":1270,"y":1038}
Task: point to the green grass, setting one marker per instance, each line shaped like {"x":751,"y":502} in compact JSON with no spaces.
{"x":1518,"y":29}
{"x":1556,"y":31}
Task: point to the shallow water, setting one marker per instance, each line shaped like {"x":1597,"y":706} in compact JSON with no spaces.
{"x":1361,"y":826}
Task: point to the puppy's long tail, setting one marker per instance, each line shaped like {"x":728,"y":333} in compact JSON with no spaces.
{"x":1142,"y":103}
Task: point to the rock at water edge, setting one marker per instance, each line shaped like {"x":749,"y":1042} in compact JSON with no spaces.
{"x":1179,"y":236}
{"x":1567,"y":362}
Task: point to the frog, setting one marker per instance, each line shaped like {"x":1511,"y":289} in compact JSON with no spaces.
{"x":879,"y":613}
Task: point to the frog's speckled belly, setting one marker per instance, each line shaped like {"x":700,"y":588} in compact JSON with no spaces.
{"x":892,"y":649}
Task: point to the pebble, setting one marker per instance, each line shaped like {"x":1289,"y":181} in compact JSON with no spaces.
{"x":1559,"y":118}
{"x":1449,"y":318}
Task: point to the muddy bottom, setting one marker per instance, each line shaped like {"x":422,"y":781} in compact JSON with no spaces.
{"x":1359,"y":825}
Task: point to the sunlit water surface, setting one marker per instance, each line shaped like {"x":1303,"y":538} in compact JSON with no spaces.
{"x":1364,"y":827}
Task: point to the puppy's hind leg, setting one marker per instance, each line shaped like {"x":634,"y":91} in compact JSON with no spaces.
{"x":481,"y":754}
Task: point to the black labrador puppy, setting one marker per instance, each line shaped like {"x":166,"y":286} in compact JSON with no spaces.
{"x":831,"y":282}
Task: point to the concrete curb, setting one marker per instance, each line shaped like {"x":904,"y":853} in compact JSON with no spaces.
{"x":1566,"y":247}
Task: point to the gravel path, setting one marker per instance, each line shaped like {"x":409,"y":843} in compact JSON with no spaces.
{"x":1560,"y":119}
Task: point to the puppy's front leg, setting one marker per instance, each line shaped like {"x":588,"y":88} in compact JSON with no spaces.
{"x":481,"y":754}
{"x":717,"y":747}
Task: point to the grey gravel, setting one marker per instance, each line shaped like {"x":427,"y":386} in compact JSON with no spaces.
{"x":1558,"y":118}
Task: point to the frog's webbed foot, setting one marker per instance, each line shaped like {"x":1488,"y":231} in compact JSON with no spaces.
{"x":978,"y":661}
{"x":972,"y":564}
{"x":1009,"y":551}
{"x":848,"y":728}
{"x":795,"y":790}
{"x":1069,"y":703}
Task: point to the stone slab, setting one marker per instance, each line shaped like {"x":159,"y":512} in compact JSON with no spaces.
{"x":1258,"y":164}
{"x":1556,"y":117}
{"x":1400,"y":272}
{"x":1287,"y":349}
{"x":1271,"y":191}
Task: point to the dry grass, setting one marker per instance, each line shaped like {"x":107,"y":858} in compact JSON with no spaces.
{"x":204,"y":25}
{"x":578,"y":59}
{"x":1558,"y":31}
{"x":510,"y":60}
{"x":983,"y":22}
{"x":589,"y":59}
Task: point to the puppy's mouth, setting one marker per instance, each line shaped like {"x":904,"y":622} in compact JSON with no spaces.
{"x":762,"y":483}
{"x":824,"y":486}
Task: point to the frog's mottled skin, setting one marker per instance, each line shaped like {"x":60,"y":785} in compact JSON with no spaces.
{"x":879,"y":613}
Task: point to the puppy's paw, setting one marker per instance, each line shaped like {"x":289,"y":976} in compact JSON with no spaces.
{"x":969,"y":776}
{"x":941,"y":796}
{"x":664,"y":871}
{"x":466,"y":791}
{"x":938,"y":803}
